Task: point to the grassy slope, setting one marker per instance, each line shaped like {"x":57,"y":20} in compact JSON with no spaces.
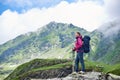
{"x":50,"y":38}
{"x":37,"y":63}
{"x":6,"y":69}
{"x":113,"y":56}
{"x":49,"y":64}
{"x":108,"y":50}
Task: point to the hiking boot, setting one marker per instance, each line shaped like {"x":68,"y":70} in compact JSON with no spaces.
{"x":81,"y":72}
{"x":74,"y":73}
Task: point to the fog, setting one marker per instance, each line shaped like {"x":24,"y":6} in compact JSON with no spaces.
{"x":111,"y":28}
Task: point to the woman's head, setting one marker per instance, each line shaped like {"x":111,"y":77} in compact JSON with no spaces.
{"x":77,"y":34}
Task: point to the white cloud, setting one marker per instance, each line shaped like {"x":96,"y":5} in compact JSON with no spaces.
{"x":113,"y":8}
{"x":87,"y":14}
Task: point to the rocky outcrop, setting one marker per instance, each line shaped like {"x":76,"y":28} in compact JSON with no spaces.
{"x":86,"y":76}
{"x":45,"y":74}
{"x":113,"y":77}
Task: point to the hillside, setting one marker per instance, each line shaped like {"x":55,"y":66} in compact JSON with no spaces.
{"x":42,"y":68}
{"x":35,"y":67}
{"x":108,"y":49}
{"x":46,"y":42}
{"x":55,"y":40}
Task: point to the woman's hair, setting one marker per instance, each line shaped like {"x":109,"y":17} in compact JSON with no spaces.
{"x":78,"y":33}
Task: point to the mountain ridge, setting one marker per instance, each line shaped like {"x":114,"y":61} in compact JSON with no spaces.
{"x":57,"y":38}
{"x":43,"y":36}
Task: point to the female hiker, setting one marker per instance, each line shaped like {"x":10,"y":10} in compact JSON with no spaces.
{"x":79,"y":55}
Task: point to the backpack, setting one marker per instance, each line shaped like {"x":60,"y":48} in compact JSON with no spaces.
{"x":86,"y":44}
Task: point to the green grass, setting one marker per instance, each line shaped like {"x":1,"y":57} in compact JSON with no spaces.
{"x":53,"y":67}
{"x":114,"y":69}
{"x":34,"y":64}
{"x":58,"y":66}
{"x":50,"y":64}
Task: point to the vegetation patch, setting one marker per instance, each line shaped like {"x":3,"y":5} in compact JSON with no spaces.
{"x":51,"y":68}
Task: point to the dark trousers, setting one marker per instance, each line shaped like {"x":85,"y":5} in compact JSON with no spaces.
{"x":79,"y":58}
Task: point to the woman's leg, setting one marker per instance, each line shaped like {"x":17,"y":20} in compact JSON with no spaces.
{"x":77,"y":63}
{"x":81,"y":61}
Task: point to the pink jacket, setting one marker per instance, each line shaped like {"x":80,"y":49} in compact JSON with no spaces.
{"x":78,"y":44}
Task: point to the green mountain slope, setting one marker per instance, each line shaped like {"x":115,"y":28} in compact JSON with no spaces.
{"x":29,"y":68}
{"x":108,"y":49}
{"x":51,"y":41}
{"x":54,"y":40}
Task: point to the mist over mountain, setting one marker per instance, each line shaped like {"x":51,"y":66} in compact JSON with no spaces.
{"x":108,"y":49}
{"x":110,"y":28}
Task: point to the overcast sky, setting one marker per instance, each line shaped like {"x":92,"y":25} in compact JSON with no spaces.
{"x":22,"y":16}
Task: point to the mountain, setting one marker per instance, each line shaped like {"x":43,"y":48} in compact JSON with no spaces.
{"x":53,"y":40}
{"x":108,"y":49}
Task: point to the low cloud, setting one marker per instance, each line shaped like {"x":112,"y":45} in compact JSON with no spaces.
{"x":112,"y":27}
{"x":88,"y":15}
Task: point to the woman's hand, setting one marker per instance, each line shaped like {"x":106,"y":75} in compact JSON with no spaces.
{"x":73,"y":49}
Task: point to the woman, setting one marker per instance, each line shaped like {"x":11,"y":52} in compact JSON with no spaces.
{"x":79,"y":50}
